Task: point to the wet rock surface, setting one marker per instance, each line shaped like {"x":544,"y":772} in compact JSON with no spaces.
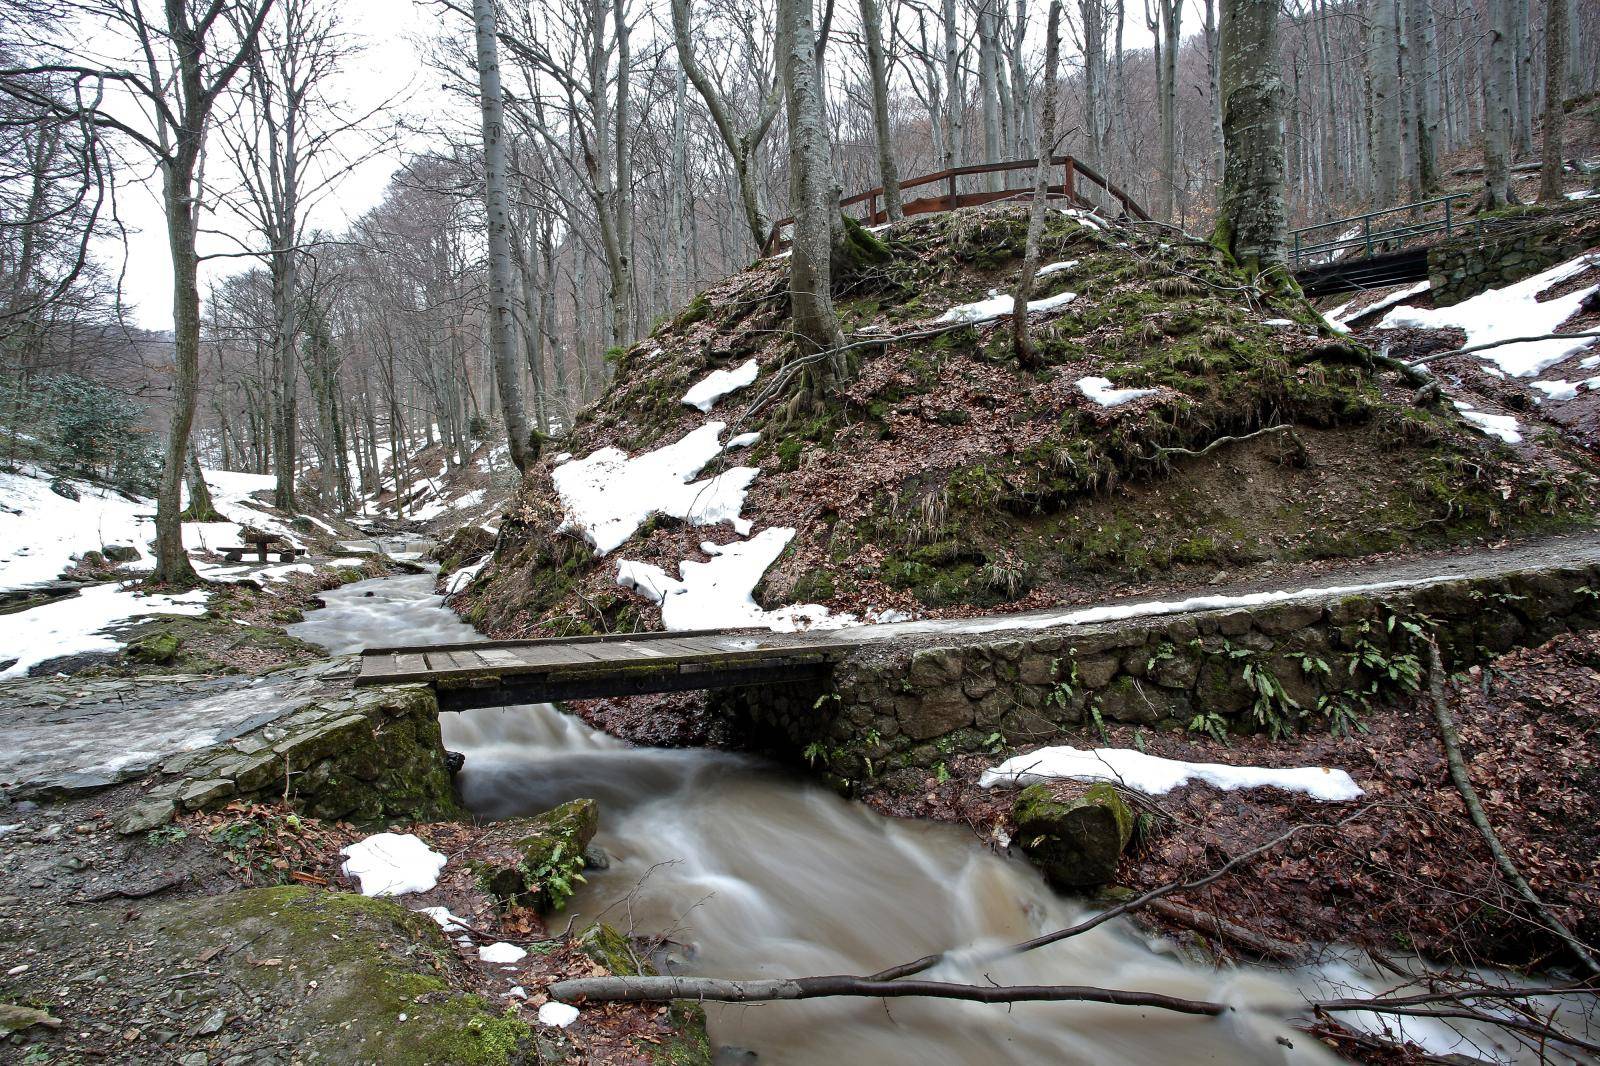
{"x":71,"y":735}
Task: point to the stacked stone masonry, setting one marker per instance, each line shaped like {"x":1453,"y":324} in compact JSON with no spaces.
{"x":373,"y":755}
{"x":891,"y":714}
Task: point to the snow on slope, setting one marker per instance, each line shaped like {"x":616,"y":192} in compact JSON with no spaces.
{"x":41,"y":532}
{"x":717,"y":594}
{"x":704,"y":393}
{"x":1512,"y":311}
{"x":608,"y":495}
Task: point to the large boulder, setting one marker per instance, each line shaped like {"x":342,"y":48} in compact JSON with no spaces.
{"x":1075,"y":841}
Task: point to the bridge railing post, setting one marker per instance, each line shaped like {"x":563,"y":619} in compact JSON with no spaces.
{"x":1366,"y":233}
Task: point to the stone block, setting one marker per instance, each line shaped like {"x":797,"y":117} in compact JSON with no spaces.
{"x":934,"y":713}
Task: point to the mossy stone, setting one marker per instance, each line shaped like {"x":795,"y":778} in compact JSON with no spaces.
{"x":1075,"y":842}
{"x":549,"y":856}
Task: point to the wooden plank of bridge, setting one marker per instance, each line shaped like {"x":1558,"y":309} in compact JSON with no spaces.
{"x":632,"y":659}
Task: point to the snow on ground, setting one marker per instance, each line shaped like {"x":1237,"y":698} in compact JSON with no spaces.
{"x":716,"y":594}
{"x":743,"y":440}
{"x":77,"y":625}
{"x":1101,"y":392}
{"x":392,"y":864}
{"x":999,"y":304}
{"x":556,"y":1014}
{"x":1339,"y":318}
{"x":607,"y":496}
{"x":704,"y":393}
{"x":1512,"y":311}
{"x":1156,"y":776}
{"x":1503,"y":426}
{"x":41,"y":532}
{"x":1084,"y":616}
{"x":501,"y":953}
{"x":447,"y":921}
{"x":1561,"y":389}
{"x":1087,"y":218}
{"x":465,"y":576}
{"x":1055,"y":268}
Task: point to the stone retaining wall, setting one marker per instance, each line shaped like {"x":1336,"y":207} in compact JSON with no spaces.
{"x":1462,"y":268}
{"x":893,"y":713}
{"x":373,"y":755}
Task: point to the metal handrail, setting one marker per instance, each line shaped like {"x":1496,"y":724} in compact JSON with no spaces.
{"x":1370,"y":239}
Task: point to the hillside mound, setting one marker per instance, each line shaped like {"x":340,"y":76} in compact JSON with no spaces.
{"x":1186,"y":423}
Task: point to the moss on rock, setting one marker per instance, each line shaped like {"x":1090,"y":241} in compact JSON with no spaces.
{"x":1076,"y":842}
{"x":548,"y":857}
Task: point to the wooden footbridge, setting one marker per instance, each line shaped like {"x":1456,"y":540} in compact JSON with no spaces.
{"x":505,"y":673}
{"x":1373,"y":250}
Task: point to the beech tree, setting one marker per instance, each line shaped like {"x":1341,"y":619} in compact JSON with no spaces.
{"x":1021,"y":341}
{"x":1251,"y":219}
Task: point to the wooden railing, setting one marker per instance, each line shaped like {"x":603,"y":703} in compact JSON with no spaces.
{"x":1379,"y":232}
{"x":1074,"y":175}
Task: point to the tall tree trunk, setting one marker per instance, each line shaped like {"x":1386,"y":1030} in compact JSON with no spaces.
{"x":1497,"y":105}
{"x":1021,"y":341}
{"x":1383,"y":67}
{"x":815,"y":205}
{"x":1522,"y":77}
{"x":955,"y":96}
{"x":286,"y":329}
{"x":989,"y":89}
{"x":172,"y":560}
{"x":877,"y":65}
{"x":496,"y":206}
{"x":1251,"y":218}
{"x":1421,"y":60}
{"x":1171,"y":40}
{"x":200,"y":508}
{"x":1555,"y":90}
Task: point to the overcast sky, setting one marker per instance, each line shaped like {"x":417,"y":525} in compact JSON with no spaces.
{"x":389,"y":66}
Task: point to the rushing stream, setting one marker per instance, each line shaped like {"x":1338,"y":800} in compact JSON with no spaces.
{"x":751,"y":872}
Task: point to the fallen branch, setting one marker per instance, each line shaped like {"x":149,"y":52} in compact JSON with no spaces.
{"x":1500,"y":343}
{"x":1469,"y":795}
{"x":1207,"y":924}
{"x":652,"y":989}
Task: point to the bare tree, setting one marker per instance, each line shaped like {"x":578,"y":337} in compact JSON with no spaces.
{"x":814,"y":200}
{"x":1021,"y":342}
{"x":878,"y":67}
{"x":1555,"y":91}
{"x":507,"y":367}
{"x":178,"y":65}
{"x":1498,"y":91}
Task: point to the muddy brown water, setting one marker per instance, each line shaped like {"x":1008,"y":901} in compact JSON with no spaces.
{"x":749,"y":871}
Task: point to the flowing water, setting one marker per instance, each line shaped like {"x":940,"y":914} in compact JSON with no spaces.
{"x":751,"y":872}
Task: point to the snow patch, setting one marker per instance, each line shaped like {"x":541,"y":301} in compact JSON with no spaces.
{"x":1000,"y":304}
{"x":392,"y":864}
{"x":608,"y":496}
{"x":77,"y":626}
{"x":447,"y":921}
{"x":559,"y":1015}
{"x":1340,"y":317}
{"x":716,"y":594}
{"x":1101,"y":392}
{"x":1512,"y":311}
{"x":743,"y":440}
{"x":717,"y":384}
{"x":501,"y":953}
{"x":1502,"y":426}
{"x":1156,"y":776}
{"x":1055,"y":268}
{"x":466,"y":575}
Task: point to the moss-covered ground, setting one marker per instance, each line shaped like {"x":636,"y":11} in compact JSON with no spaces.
{"x":945,"y":477}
